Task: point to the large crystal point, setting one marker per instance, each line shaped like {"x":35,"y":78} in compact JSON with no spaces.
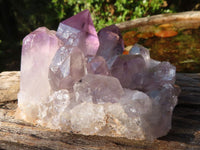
{"x":111,"y":44}
{"x":38,"y":49}
{"x":79,"y":31}
{"x":67,"y":67}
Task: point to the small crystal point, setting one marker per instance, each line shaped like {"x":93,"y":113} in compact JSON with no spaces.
{"x":111,"y":44}
{"x":157,"y":76}
{"x":79,"y":31}
{"x":138,"y":49}
{"x":128,"y":69}
{"x":98,"y":65}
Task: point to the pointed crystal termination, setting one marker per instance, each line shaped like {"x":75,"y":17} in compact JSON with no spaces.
{"x":98,"y":65}
{"x":67,"y":67}
{"x":138,"y":49}
{"x":38,"y":49}
{"x":79,"y":31}
{"x":111,"y":44}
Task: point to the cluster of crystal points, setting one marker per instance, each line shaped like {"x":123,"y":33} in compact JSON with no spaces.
{"x":75,"y":80}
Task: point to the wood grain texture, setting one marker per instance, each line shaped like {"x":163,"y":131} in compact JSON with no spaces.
{"x":184,"y":135}
{"x":190,"y":17}
{"x":9,"y":85}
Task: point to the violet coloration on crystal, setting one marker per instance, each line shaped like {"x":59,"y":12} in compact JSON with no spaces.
{"x":77,"y":80}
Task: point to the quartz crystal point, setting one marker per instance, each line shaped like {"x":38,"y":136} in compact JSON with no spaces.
{"x":67,"y":84}
{"x":67,"y":67}
{"x":140,"y":50}
{"x":111,"y":44}
{"x":38,"y":49}
{"x":79,"y":31}
{"x":98,"y":65}
{"x":129,"y":69}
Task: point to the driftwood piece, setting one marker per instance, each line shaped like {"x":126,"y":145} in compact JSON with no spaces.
{"x":190,"y":19}
{"x":184,"y":135}
{"x":9,"y":86}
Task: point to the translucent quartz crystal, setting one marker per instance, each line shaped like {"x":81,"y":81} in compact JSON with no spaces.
{"x":98,"y":89}
{"x":67,"y":67}
{"x":136,"y":103}
{"x":98,"y":65}
{"x":111,"y":44}
{"x":56,"y":109}
{"x":38,"y":49}
{"x":140,"y":50}
{"x":79,"y":31}
{"x":128,"y":69}
{"x":138,"y":71}
{"x":94,"y":92}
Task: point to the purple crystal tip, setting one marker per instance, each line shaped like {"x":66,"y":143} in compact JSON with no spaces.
{"x":79,"y":31}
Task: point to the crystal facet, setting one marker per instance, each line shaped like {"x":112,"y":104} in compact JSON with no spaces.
{"x":67,"y":84}
{"x":98,"y":89}
{"x":98,"y":65}
{"x":111,"y":44}
{"x":129,"y":69}
{"x":68,"y":66}
{"x":38,"y":49}
{"x":79,"y":31}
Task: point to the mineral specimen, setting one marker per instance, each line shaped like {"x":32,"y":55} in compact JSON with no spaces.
{"x":67,"y":84}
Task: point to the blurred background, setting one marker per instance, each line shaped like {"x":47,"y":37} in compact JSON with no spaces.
{"x":18,"y":18}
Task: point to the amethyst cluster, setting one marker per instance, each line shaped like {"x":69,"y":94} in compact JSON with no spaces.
{"x":77,"y":80}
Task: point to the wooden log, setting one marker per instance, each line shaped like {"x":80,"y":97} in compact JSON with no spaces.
{"x":9,"y":86}
{"x":190,"y":19}
{"x":185,"y":132}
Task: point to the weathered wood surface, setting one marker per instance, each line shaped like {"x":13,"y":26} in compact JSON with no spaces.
{"x":184,"y":135}
{"x":191,"y":18}
{"x":9,"y":86}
